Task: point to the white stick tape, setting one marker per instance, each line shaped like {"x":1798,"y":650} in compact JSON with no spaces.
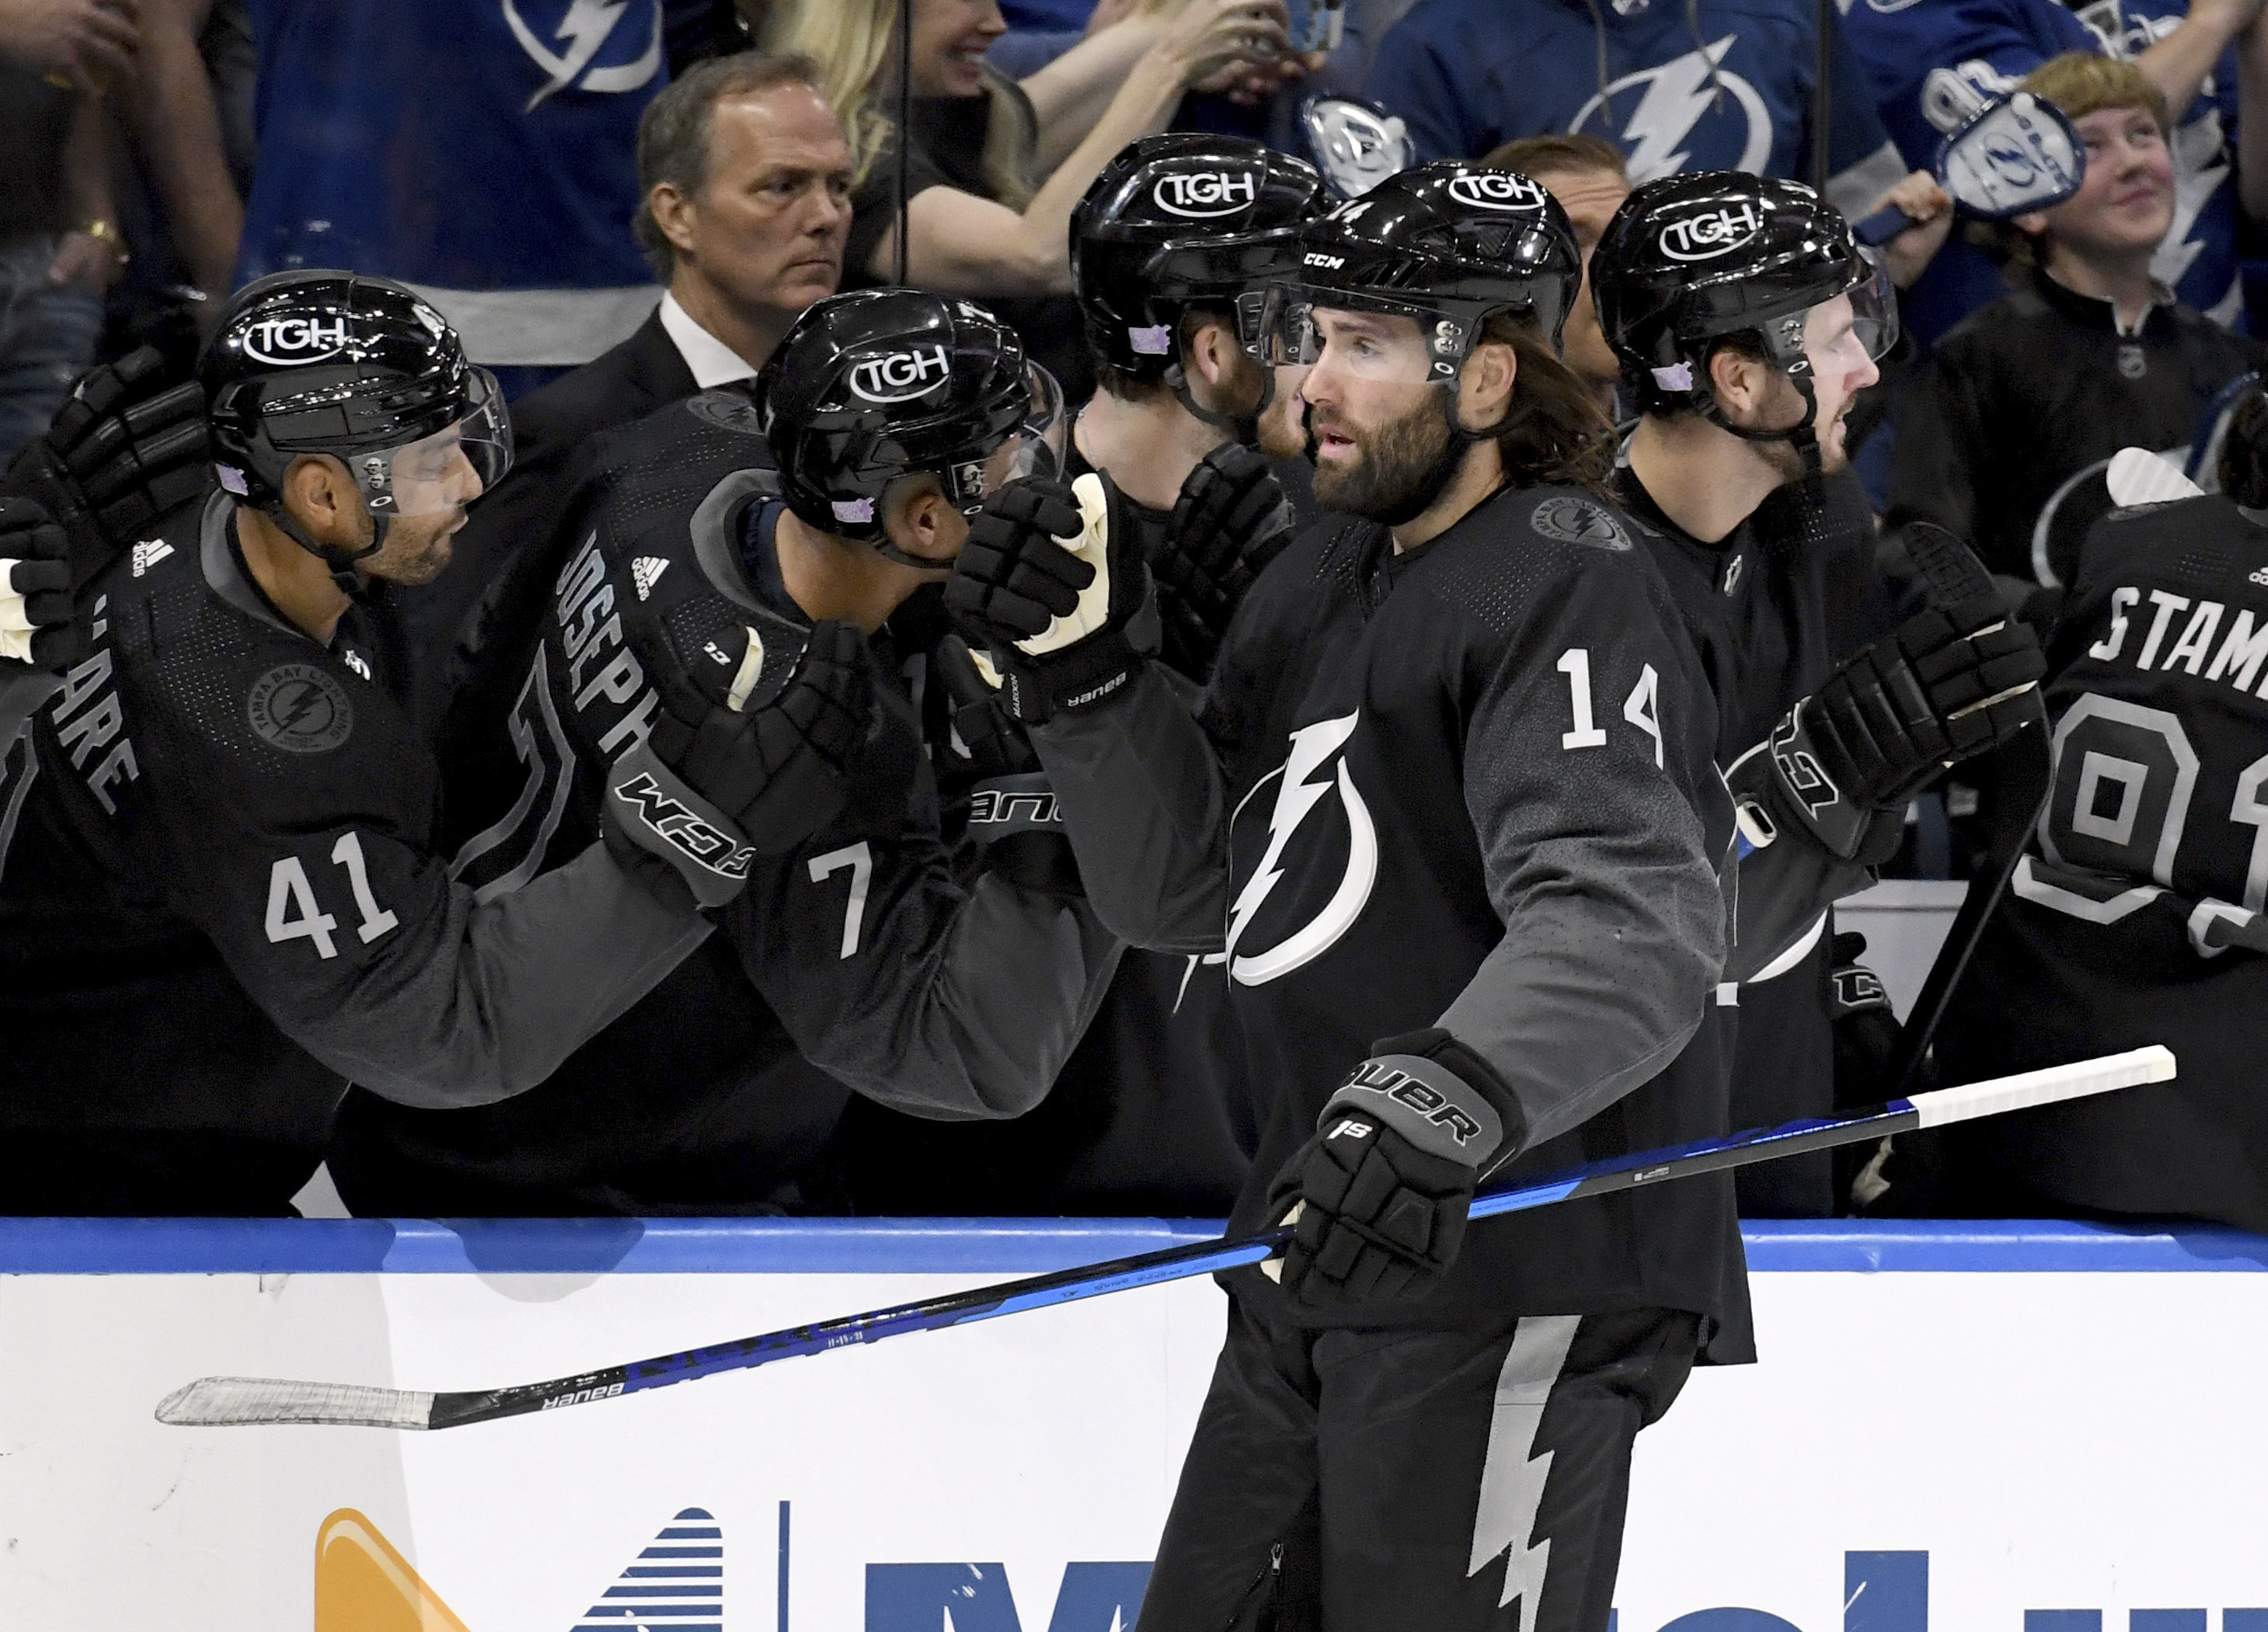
{"x":2075,"y":1080}
{"x":227,"y":1401}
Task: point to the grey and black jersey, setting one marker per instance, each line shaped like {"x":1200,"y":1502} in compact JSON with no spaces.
{"x":213,"y":790}
{"x":2136,"y":913}
{"x":862,"y":963}
{"x":1468,"y":785}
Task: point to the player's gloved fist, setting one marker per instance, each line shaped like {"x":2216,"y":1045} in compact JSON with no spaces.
{"x":775,"y":756}
{"x":1050,"y":580}
{"x":127,"y":445}
{"x":1951,"y":682}
{"x":716,"y":785}
{"x":1378,"y":1199}
{"x":1231,"y":520}
{"x":36,"y":627}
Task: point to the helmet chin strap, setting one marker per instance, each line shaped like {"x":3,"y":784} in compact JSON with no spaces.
{"x":1244,"y":427}
{"x":343,"y":565}
{"x":1803,"y":436}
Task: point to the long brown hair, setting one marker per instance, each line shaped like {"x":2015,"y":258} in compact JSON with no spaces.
{"x":1554,"y":433}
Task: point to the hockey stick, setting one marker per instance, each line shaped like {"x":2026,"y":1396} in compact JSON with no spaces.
{"x":224,"y":1401}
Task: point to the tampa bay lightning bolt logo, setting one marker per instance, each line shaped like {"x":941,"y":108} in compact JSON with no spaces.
{"x":1680,"y":117}
{"x":578,"y":44}
{"x":1305,"y":784}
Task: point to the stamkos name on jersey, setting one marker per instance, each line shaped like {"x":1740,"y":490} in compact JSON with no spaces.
{"x":87,"y":716}
{"x":589,"y":625}
{"x":2238,"y":659}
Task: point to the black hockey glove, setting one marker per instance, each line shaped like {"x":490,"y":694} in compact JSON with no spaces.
{"x":716,"y":785}
{"x":1052,"y":582}
{"x":1231,"y":520}
{"x":1377,"y":1199}
{"x":127,"y":445}
{"x":1866,"y":1025}
{"x":1955,"y":680}
{"x":37,"y":630}
{"x":1012,"y":815}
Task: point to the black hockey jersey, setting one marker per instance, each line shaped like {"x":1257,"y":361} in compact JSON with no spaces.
{"x":1149,"y":1116}
{"x":213,"y":789}
{"x":1469,"y":786}
{"x":2135,"y":915}
{"x":863,"y":963}
{"x":1773,"y":607}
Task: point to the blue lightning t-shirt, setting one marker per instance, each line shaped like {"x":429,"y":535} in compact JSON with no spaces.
{"x":1933,"y":63}
{"x":483,"y":151}
{"x":1735,"y":94}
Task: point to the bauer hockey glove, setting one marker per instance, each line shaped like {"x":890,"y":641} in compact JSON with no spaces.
{"x":127,"y":445}
{"x":716,"y":785}
{"x":1231,"y":520}
{"x":1377,"y":1199}
{"x":1051,"y":581}
{"x":36,"y":627}
{"x":1012,"y":815}
{"x":1951,"y":682}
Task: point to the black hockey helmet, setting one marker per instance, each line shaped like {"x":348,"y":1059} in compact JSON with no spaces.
{"x":1447,"y":243}
{"x":1689,"y":261}
{"x":1178,"y":219}
{"x":876,"y":383}
{"x":320,"y":362}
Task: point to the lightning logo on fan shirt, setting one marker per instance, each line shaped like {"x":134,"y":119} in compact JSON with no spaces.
{"x":586,"y":28}
{"x":1512,"y":1480}
{"x":1678,"y":93}
{"x":1296,"y":796}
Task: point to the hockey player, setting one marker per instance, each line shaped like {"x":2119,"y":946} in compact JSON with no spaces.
{"x":2134,"y":913}
{"x":860,"y":961}
{"x":1450,"y":821}
{"x":221,"y":891}
{"x":1746,"y":321}
{"x":1149,"y":1117}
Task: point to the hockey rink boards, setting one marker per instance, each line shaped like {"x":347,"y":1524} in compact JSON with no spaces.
{"x":1970,"y":1428}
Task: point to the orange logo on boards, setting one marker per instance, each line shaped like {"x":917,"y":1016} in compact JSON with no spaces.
{"x":364,"y":1585}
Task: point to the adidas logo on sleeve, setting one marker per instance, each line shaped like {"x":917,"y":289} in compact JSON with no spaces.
{"x":645,"y":571}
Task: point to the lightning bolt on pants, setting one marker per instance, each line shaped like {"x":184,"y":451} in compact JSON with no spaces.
{"x":1374,"y":1480}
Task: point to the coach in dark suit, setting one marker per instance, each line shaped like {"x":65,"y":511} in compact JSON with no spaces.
{"x":747,"y":180}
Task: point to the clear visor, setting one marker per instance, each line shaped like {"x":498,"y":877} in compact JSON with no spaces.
{"x":1382,"y":341}
{"x":1842,"y":335}
{"x":1034,"y":447}
{"x":449,"y":469}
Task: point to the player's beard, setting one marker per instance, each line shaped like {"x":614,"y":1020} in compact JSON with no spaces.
{"x":1396,"y":462}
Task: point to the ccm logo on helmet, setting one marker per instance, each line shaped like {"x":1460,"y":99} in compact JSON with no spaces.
{"x":1206,"y":192}
{"x":1711,"y":233}
{"x":900,"y":376}
{"x":1496,"y":189}
{"x":290,"y":342}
